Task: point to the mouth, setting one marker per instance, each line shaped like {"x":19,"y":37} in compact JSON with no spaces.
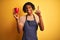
{"x":29,"y":11}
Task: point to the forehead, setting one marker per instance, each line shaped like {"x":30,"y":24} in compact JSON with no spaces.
{"x":28,"y":5}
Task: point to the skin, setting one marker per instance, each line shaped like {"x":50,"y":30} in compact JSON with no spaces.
{"x":29,"y":11}
{"x":41,"y":25}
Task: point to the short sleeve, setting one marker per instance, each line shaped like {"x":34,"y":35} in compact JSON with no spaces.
{"x":22,"y":20}
{"x":37,"y":18}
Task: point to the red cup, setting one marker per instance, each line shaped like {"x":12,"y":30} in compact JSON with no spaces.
{"x":16,"y":10}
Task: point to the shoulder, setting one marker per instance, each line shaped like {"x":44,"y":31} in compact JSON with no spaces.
{"x":23,"y":17}
{"x":22,"y":20}
{"x":37,"y":18}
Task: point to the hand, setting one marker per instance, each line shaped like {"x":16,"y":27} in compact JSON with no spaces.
{"x":38,"y":12}
{"x":16,"y":16}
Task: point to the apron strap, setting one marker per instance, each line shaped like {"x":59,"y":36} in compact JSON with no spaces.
{"x":34,"y":17}
{"x":26,"y":17}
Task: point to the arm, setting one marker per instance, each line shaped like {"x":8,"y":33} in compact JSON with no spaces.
{"x":19,"y":26}
{"x":41,"y":25}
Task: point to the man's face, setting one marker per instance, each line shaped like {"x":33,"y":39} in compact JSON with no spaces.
{"x":29,"y":9}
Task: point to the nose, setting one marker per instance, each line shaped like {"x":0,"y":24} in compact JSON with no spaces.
{"x":28,"y":9}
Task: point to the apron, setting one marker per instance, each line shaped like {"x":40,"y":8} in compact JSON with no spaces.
{"x":30,"y":30}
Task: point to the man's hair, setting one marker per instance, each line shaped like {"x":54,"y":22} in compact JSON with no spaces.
{"x":28,"y":3}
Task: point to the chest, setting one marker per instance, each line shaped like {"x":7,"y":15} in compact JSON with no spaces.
{"x":30,"y":18}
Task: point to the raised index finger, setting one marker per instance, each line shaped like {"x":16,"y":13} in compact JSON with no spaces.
{"x":38,"y":7}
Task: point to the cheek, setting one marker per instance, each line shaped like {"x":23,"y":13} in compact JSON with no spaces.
{"x":30,"y":10}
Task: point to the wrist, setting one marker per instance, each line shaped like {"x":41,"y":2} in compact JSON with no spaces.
{"x":17,"y":20}
{"x":39,"y":16}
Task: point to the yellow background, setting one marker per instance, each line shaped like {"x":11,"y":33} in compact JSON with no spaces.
{"x":50,"y":11}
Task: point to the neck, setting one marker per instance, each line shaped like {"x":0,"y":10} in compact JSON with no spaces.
{"x":30,"y":14}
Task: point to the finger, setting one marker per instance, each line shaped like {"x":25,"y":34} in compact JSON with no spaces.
{"x":14,"y":15}
{"x":38,"y":7}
